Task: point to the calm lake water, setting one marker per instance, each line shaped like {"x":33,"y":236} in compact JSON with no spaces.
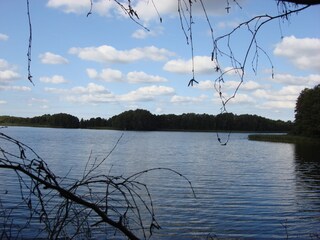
{"x":246,"y":190}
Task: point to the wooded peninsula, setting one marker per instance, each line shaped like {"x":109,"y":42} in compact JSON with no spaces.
{"x":143,"y":120}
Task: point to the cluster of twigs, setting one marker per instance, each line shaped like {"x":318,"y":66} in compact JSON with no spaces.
{"x":68,"y":208}
{"x":224,"y":49}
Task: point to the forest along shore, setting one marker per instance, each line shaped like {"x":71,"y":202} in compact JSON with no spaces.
{"x":143,"y":120}
{"x":284,"y":138}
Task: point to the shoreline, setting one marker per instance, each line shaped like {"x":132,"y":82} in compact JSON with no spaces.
{"x":284,"y":138}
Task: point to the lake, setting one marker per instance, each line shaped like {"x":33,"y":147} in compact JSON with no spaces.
{"x":246,"y":189}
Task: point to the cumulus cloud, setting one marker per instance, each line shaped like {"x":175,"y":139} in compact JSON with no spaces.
{"x":92,"y":98}
{"x":7,"y":72}
{"x":8,"y":75}
{"x":68,"y":6}
{"x":40,"y":102}
{"x":142,"y":33}
{"x":205,"y":85}
{"x":187,"y":99}
{"x":3,"y":102}
{"x":101,"y":7}
{"x":15,"y":88}
{"x":108,"y":54}
{"x":146,"y":93}
{"x":56,"y":79}
{"x":245,"y":86}
{"x":3,"y":37}
{"x":241,"y":98}
{"x":51,"y":58}
{"x":94,"y":93}
{"x":277,"y":104}
{"x":283,"y":98}
{"x":142,"y":77}
{"x":90,"y":88}
{"x":304,"y":53}
{"x":106,"y":75}
{"x":202,"y":64}
{"x":113,"y":75}
{"x":310,"y":80}
{"x":147,"y":11}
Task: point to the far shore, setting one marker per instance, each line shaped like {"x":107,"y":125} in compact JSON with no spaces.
{"x":284,"y":138}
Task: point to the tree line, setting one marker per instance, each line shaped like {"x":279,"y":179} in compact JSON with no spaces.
{"x":143,"y":120}
{"x":307,"y":120}
{"x":307,"y":117}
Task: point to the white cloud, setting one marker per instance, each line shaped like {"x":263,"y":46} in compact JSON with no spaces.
{"x":3,"y":37}
{"x":242,"y":99}
{"x":202,"y":65}
{"x":277,"y":105}
{"x":56,"y":79}
{"x":205,"y":85}
{"x":147,"y":11}
{"x":304,"y":53}
{"x":142,"y":33}
{"x":310,"y":80}
{"x":90,"y":88}
{"x":7,"y":72}
{"x":68,"y":6}
{"x":8,"y":75}
{"x":15,"y":88}
{"x":56,"y":90}
{"x":107,"y":54}
{"x":92,"y":98}
{"x":106,"y":75}
{"x":289,"y":93}
{"x":187,"y":100}
{"x":51,"y":58}
{"x":228,"y":85}
{"x":245,"y":86}
{"x":113,"y":75}
{"x":142,"y":77}
{"x":40,"y":102}
{"x":3,"y":102}
{"x":95,"y":93}
{"x":146,"y":93}
{"x":101,"y":7}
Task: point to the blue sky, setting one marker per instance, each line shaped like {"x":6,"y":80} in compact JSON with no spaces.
{"x":104,"y":64}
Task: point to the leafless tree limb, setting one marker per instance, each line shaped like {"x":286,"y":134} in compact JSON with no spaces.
{"x":69,"y":207}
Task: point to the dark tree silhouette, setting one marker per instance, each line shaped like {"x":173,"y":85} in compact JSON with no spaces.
{"x":307,"y":117}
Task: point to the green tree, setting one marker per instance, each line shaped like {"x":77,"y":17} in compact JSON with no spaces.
{"x":307,"y":117}
{"x":138,"y":119}
{"x":63,"y":120}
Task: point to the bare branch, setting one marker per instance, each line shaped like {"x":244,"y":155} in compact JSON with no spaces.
{"x":69,"y":207}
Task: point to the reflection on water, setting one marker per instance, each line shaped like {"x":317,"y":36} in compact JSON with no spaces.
{"x":307,"y":172}
{"x":307,"y":162}
{"x":246,"y":190}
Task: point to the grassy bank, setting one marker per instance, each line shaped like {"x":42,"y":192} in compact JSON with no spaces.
{"x":284,"y":139}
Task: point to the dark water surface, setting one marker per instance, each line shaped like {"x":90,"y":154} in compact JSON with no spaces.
{"x":246,"y":190}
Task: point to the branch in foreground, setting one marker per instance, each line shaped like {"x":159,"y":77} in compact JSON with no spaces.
{"x":68,"y":207}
